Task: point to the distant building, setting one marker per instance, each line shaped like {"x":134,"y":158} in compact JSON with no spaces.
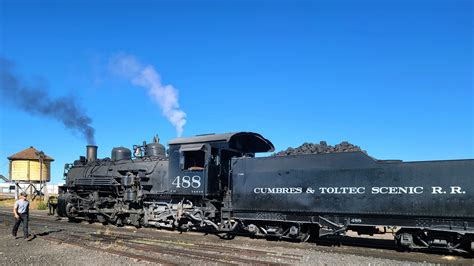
{"x":30,"y":165}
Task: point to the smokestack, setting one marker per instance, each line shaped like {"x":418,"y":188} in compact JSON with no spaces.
{"x":91,"y":154}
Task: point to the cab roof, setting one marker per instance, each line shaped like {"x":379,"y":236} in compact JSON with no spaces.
{"x":248,"y":142}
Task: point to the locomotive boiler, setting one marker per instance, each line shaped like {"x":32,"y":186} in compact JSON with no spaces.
{"x":214,"y":182}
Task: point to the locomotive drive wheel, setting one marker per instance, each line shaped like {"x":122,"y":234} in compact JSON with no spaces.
{"x":227,"y":236}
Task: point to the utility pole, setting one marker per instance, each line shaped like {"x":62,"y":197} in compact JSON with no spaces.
{"x":40,"y":155}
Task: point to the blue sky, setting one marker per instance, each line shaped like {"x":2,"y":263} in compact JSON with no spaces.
{"x":395,"y":77}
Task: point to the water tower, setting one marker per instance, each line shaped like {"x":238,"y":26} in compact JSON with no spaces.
{"x":30,"y":167}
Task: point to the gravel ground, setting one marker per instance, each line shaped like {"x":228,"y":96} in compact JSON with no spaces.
{"x":41,"y":251}
{"x":38,"y":251}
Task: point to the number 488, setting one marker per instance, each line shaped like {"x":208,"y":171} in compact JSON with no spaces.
{"x":187,"y":181}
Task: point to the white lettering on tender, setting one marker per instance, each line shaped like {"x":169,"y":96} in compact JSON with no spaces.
{"x":397,"y":190}
{"x":457,"y":190}
{"x":437,"y":190}
{"x":384,"y":190}
{"x":278,"y":190}
{"x":342,"y":190}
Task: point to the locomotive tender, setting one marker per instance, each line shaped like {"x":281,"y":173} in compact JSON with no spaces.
{"x":215,"y":182}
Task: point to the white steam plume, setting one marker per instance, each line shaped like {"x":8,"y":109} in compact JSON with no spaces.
{"x":146,"y":76}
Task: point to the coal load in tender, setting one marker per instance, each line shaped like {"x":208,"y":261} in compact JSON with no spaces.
{"x":322,"y":147}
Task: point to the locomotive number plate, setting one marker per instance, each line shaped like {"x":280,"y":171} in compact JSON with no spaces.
{"x":187,"y":181}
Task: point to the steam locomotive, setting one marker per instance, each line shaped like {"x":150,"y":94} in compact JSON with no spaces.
{"x":215,"y":182}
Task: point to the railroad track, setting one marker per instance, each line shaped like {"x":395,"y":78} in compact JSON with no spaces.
{"x":148,"y":248}
{"x":205,"y":247}
{"x":212,"y":252}
{"x":156,"y":246}
{"x":107,"y":250}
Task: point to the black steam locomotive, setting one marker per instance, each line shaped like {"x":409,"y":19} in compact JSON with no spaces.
{"x":215,"y":182}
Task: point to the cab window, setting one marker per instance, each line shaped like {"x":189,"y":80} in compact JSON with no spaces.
{"x":193,"y":160}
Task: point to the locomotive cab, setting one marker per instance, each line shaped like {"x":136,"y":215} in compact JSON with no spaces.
{"x":200,"y":165}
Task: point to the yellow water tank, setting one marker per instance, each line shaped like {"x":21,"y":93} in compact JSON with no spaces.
{"x":30,"y":165}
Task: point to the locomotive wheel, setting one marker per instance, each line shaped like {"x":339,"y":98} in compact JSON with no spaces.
{"x":308,"y":233}
{"x":301,"y":237}
{"x":71,"y":212}
{"x":227,"y":236}
{"x":305,"y":237}
{"x":408,"y":240}
{"x":298,"y":233}
{"x":119,"y":222}
{"x":91,"y":218}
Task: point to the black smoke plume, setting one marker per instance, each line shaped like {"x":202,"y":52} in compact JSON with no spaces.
{"x":36,"y":100}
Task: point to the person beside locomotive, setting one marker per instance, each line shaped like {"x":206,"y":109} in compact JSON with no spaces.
{"x":21,"y":213}
{"x":52,"y":204}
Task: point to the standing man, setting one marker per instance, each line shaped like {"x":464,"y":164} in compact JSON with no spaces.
{"x":20,"y":210}
{"x":52,"y":204}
